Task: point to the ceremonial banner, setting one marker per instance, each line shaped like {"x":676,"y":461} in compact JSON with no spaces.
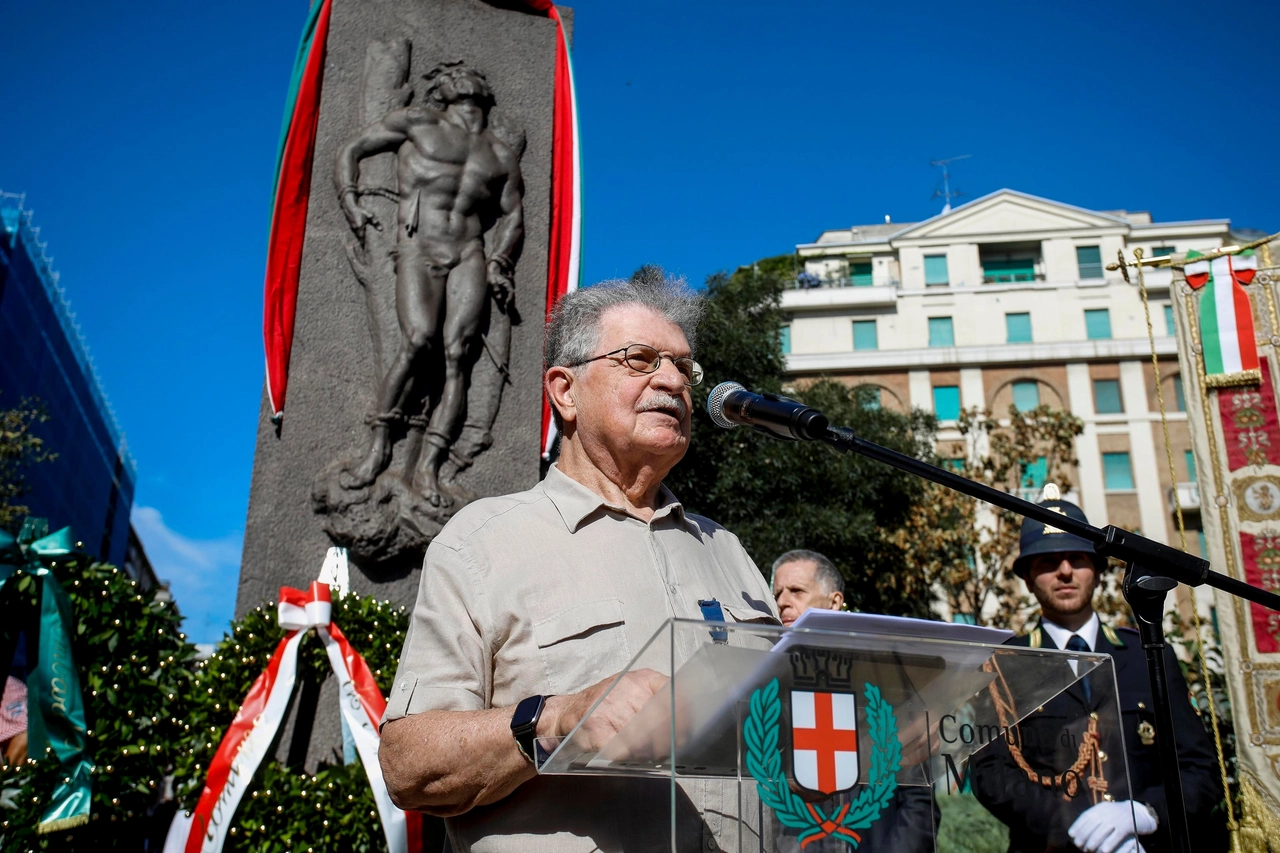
{"x":1226,"y":318}
{"x":564,"y":264}
{"x":1225,"y":306}
{"x":289,"y":203}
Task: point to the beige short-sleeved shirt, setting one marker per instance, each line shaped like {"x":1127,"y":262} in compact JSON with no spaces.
{"x":547,"y":592}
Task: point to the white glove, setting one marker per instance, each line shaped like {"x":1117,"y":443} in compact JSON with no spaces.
{"x":1104,"y":827}
{"x":1130,"y":845}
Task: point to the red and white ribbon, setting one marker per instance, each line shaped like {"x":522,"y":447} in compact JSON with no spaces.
{"x":249,"y":737}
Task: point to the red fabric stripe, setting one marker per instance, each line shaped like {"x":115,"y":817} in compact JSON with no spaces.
{"x":255,"y":702}
{"x":1244,"y":326}
{"x":559,"y":252}
{"x":289,"y":219}
{"x":361,"y":677}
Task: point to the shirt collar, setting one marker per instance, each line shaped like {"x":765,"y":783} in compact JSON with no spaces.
{"x":576,"y":503}
{"x":1088,"y":632}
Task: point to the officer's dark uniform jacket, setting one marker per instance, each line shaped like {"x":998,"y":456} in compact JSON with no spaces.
{"x":1038,"y":818}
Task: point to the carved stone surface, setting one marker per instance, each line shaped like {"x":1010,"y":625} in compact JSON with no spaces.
{"x":372,"y":454}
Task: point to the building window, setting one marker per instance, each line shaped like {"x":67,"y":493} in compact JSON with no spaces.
{"x":1179,"y":401}
{"x":1097,"y":324}
{"x":941,"y":333}
{"x":1162,"y":251}
{"x":935,"y":270}
{"x":1026,"y":395}
{"x":1117,"y":476}
{"x":1168,"y":320}
{"x":864,"y":334}
{"x":946,"y":402}
{"x":1089,"y":261}
{"x":1191,"y":466}
{"x":1018,"y":328}
{"x":1106,"y":397}
{"x":784,"y":337}
{"x":1008,"y":270}
{"x":869,"y":396}
{"x":1035,"y":473}
{"x":860,"y":274}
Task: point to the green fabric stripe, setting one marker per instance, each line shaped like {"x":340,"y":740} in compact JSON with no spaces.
{"x":1210,"y":337}
{"x":291,"y":100}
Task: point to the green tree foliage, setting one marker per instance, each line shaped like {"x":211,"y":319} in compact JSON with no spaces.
{"x":20,"y":448}
{"x":778,"y":495}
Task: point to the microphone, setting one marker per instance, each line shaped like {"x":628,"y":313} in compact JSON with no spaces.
{"x":729,"y":404}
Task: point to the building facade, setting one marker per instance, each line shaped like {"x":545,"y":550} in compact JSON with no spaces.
{"x":1006,"y":300}
{"x":90,"y":485}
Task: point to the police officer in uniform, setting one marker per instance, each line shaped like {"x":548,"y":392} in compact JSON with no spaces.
{"x":1021,"y":778}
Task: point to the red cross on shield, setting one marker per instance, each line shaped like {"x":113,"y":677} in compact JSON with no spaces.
{"x":824,"y":740}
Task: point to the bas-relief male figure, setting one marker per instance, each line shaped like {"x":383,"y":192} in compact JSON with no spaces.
{"x":459,"y":187}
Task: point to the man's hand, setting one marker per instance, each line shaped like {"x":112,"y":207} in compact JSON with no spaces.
{"x":631,"y":694}
{"x":502,"y":282}
{"x":1106,"y":827}
{"x":358,"y":216}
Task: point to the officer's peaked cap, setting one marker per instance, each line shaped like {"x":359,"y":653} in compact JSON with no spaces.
{"x":1040,"y":538}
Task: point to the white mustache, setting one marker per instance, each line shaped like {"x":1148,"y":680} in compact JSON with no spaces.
{"x":661,"y":400}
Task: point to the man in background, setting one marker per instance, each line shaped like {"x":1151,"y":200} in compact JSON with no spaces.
{"x":806,"y":580}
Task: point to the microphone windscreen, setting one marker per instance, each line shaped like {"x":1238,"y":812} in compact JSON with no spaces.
{"x":715,"y":403}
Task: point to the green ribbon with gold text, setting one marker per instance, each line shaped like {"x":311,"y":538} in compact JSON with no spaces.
{"x":55,"y":704}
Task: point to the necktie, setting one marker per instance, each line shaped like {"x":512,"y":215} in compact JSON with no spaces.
{"x":1076,"y":643}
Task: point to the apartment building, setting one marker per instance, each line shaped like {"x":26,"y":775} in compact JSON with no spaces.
{"x":1003,"y":301}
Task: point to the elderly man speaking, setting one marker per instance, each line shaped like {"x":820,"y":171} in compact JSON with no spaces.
{"x":531,"y":603}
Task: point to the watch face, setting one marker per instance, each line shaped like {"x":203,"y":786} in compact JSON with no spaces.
{"x":527,"y":712}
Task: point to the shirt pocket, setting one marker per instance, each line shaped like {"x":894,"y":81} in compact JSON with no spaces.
{"x":583,"y":644}
{"x":738,"y":613}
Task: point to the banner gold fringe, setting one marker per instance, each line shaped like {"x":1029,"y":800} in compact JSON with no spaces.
{"x":72,"y":822}
{"x":1259,"y":823}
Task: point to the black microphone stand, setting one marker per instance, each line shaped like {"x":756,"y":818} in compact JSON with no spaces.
{"x":1151,"y":571}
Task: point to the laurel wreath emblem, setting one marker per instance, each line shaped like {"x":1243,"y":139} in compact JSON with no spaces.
{"x":764,"y":762}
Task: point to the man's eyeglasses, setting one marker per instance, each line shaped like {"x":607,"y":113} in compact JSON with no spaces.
{"x":643,"y":358}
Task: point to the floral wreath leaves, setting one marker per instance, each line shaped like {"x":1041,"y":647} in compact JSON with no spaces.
{"x":764,"y":762}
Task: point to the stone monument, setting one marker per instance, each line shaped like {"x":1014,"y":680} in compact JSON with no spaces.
{"x":415,"y":375}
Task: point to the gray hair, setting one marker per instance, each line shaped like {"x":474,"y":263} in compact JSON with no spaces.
{"x":573,"y":330}
{"x":825,"y":571}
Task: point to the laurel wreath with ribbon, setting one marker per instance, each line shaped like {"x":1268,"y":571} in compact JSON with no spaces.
{"x":764,"y":762}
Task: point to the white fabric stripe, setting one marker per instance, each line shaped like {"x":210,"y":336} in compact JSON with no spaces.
{"x":805,"y":764}
{"x":1245,"y":262}
{"x":1197,"y":268}
{"x":365,"y":733}
{"x":846,"y":770}
{"x":253,"y":749}
{"x":844,"y":714}
{"x":575,"y":238}
{"x":1225,"y":303}
{"x":802,"y":713}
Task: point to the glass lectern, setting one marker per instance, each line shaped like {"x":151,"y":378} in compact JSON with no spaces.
{"x":815,"y":740}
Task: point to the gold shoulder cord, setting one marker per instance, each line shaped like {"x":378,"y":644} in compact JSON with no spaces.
{"x":1232,"y":826}
{"x":1088,"y":755}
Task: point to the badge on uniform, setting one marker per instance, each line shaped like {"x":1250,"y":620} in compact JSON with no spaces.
{"x":1146,"y":733}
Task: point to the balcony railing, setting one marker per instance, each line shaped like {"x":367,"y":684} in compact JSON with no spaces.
{"x":808,"y":281}
{"x":1188,"y":495}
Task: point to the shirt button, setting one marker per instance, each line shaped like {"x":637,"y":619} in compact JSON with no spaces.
{"x":404,"y":685}
{"x":711,"y":842}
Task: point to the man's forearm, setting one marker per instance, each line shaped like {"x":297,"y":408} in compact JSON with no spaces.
{"x":448,"y":762}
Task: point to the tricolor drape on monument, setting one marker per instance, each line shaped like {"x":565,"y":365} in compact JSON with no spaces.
{"x":251,"y":734}
{"x":293,"y":187}
{"x":55,"y":703}
{"x":1228,"y":371}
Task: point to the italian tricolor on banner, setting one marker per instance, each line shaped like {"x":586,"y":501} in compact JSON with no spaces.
{"x":1226,"y":316}
{"x":289,"y":204}
{"x":564,"y":265}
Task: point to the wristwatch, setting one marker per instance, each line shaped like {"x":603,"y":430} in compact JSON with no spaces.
{"x":524,"y":722}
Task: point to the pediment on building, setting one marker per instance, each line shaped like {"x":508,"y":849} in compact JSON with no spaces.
{"x":1007,"y":212}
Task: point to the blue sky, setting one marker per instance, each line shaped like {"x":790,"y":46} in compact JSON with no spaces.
{"x":714,"y":133}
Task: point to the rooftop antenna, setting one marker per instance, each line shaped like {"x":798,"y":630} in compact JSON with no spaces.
{"x":945,"y":193}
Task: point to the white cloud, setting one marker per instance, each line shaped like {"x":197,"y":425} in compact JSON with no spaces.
{"x":202,"y":573}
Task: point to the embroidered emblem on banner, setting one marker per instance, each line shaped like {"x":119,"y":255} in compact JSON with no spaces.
{"x":1250,"y":424}
{"x":824,"y":748}
{"x":1261,"y":557}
